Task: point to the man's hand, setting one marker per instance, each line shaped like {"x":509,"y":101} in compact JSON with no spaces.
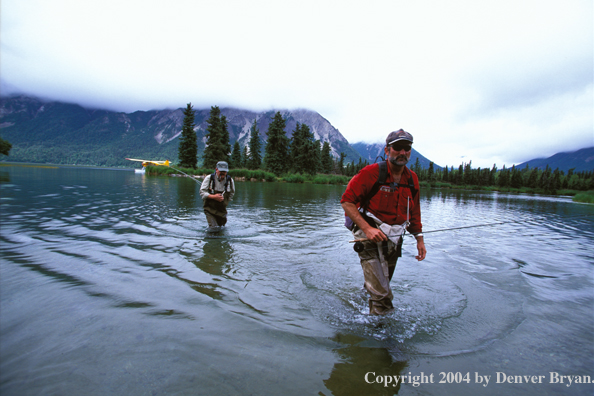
{"x":217,"y":197}
{"x":421,"y":249}
{"x":372,"y":233}
{"x":375,"y":234}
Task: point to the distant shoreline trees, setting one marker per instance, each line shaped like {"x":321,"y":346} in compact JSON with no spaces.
{"x":546,"y":180}
{"x":304,"y":155}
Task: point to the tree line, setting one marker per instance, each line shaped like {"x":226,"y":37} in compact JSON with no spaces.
{"x":546,"y":180}
{"x":301,"y":154}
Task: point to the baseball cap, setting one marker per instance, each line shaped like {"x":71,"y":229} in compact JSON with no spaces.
{"x":222,"y":166}
{"x":398,"y":135}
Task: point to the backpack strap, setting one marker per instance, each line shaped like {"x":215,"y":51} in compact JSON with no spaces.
{"x":381,"y":180}
{"x":212,"y":182}
{"x":227,"y":178}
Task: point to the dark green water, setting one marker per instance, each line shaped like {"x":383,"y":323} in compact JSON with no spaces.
{"x":110,"y":285}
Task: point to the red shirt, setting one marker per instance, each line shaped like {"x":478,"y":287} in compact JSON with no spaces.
{"x":388,"y":206}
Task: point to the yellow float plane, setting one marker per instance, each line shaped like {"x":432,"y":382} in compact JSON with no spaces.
{"x":148,"y":162}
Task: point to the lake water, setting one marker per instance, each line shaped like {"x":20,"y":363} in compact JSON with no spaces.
{"x":110,"y":285}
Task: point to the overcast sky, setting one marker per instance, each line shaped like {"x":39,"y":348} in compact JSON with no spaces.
{"x":492,"y":82}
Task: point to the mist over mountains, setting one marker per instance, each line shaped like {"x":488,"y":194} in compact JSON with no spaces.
{"x":62,"y":133}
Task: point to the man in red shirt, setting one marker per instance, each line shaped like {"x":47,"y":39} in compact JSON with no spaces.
{"x":381,"y":219}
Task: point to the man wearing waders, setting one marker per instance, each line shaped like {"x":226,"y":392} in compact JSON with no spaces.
{"x":216,"y":192}
{"x":379,"y":212}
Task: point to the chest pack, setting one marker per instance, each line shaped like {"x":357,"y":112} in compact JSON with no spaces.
{"x":381,"y":181}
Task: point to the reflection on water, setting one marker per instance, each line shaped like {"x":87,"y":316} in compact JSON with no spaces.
{"x":110,"y":281}
{"x":372,"y":364}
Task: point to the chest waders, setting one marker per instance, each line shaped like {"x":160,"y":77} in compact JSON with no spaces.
{"x":216,"y":208}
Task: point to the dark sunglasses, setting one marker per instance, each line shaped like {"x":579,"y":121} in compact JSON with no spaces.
{"x":401,"y":146}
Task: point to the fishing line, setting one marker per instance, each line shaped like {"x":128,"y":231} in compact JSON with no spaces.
{"x":191,"y":177}
{"x":358,"y":242}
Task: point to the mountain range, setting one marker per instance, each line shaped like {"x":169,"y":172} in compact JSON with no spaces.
{"x":580,"y":160}
{"x":63,"y":133}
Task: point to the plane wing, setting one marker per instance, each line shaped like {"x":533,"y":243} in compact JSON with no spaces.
{"x":147,"y":162}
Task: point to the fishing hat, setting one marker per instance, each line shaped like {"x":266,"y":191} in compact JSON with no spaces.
{"x":398,"y":135}
{"x":222,"y":166}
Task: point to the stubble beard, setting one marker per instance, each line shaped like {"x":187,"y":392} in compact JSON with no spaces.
{"x":399,"y":160}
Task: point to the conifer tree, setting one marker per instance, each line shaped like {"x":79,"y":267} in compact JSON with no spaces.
{"x":304,"y":150}
{"x":296,"y":148}
{"x":5,"y":146}
{"x":492,"y":174}
{"x":188,"y":144}
{"x":468,"y":174}
{"x":341,"y":163}
{"x":311,"y":160}
{"x":225,"y":141}
{"x":417,"y":167}
{"x":503,"y":178}
{"x":460,"y":175}
{"x":244,"y":157}
{"x":516,"y":178}
{"x":277,"y":146}
{"x":255,"y":157}
{"x":326,"y":159}
{"x":316,"y":157}
{"x":217,"y":139}
{"x":236,"y":156}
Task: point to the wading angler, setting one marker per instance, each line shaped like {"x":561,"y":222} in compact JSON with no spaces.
{"x":381,"y":203}
{"x":216,"y":192}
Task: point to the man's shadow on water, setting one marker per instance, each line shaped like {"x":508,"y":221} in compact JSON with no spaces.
{"x":358,"y":363}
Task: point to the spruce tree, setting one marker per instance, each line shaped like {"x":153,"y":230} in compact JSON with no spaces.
{"x":327,"y":163}
{"x":225,"y":141}
{"x":516,"y":178}
{"x":296,"y":148}
{"x":417,"y":167}
{"x":255,"y":158}
{"x":5,"y":146}
{"x":244,"y":157}
{"x":217,"y":145}
{"x":503,"y":178}
{"x":188,"y":145}
{"x":236,"y":156}
{"x":277,"y":146}
{"x":341,"y":163}
{"x":305,"y":152}
{"x":315,"y":162}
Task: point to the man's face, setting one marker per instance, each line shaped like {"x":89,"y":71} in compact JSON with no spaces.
{"x":399,"y":153}
{"x":221,"y":174}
